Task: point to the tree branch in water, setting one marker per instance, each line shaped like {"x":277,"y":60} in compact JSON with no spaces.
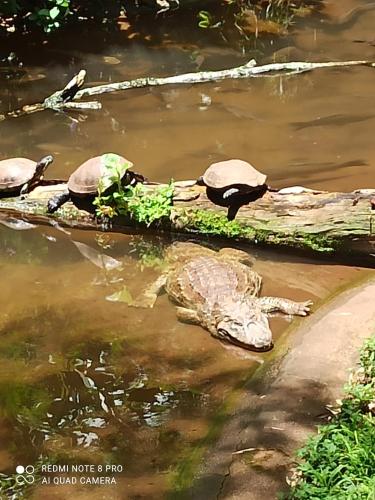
{"x":61,"y":99}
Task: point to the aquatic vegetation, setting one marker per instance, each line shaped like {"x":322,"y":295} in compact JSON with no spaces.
{"x":149,"y":253}
{"x":247,"y":19}
{"x":18,"y":247}
{"x":340,"y":461}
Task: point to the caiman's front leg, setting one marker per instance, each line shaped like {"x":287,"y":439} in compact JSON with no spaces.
{"x":187,"y":315}
{"x":286,"y":306}
{"x":148,"y":298}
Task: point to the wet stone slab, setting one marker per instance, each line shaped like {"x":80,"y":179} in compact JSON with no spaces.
{"x":251,"y":459}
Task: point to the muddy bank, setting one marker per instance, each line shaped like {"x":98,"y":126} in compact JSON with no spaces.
{"x":286,"y":402}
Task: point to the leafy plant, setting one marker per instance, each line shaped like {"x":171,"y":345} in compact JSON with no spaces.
{"x":137,"y":201}
{"x":340,"y":461}
{"x":149,"y":207}
{"x":51,"y":16}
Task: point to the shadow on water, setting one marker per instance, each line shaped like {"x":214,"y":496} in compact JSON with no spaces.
{"x":265,"y":446}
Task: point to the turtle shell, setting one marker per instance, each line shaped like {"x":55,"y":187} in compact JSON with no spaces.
{"x":85,"y":180}
{"x":225,"y":174}
{"x":15,"y":172}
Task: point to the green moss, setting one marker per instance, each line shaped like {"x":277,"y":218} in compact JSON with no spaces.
{"x":208,"y":222}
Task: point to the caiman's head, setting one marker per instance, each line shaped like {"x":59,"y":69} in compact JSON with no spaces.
{"x":246,"y":327}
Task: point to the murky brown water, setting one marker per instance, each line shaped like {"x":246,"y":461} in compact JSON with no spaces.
{"x":87,"y":381}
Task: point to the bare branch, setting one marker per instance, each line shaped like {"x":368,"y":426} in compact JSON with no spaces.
{"x":62,"y":98}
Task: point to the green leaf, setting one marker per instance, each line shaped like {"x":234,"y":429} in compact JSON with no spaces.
{"x":43,"y":13}
{"x":54,"y":12}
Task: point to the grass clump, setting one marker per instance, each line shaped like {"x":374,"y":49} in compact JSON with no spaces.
{"x":339,"y":463}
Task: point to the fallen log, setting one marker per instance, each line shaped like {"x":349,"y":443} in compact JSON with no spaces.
{"x":333,"y":223}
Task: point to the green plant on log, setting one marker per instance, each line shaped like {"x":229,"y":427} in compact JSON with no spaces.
{"x":339,"y":463}
{"x":148,"y":207}
{"x":137,"y":201}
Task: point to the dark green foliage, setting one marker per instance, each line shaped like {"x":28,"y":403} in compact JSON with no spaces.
{"x":51,"y":14}
{"x":339,"y":463}
{"x":227,"y":16}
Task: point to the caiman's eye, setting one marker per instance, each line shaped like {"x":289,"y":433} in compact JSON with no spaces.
{"x":223,"y":333}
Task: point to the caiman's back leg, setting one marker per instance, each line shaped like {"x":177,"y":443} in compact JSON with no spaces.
{"x":236,"y":255}
{"x":286,"y":306}
{"x":57,"y":201}
{"x":149,"y":296}
{"x":186,"y":250}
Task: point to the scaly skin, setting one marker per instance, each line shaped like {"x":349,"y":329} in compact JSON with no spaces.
{"x":219,"y":292}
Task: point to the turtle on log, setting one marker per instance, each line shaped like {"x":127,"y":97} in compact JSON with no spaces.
{"x":233,"y":183}
{"x":84,"y":183}
{"x":21,"y":175}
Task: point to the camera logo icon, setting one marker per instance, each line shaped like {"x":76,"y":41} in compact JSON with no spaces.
{"x":25,"y":475}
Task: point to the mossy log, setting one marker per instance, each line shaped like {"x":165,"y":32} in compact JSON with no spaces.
{"x":320,"y":221}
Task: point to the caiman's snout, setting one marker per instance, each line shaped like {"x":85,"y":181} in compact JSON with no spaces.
{"x":258,"y":334}
{"x":254,"y":334}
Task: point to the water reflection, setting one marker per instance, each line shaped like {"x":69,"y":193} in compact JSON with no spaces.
{"x":167,"y":132}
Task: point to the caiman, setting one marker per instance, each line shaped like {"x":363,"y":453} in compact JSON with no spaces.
{"x":220,"y":292}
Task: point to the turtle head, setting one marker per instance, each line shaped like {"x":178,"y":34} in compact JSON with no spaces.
{"x":246,"y":327}
{"x":40,"y":168}
{"x":42,"y":165}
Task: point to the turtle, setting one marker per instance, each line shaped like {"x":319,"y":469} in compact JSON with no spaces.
{"x":233,"y":177}
{"x":21,"y":175}
{"x":232,"y":183}
{"x":84,"y":182}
